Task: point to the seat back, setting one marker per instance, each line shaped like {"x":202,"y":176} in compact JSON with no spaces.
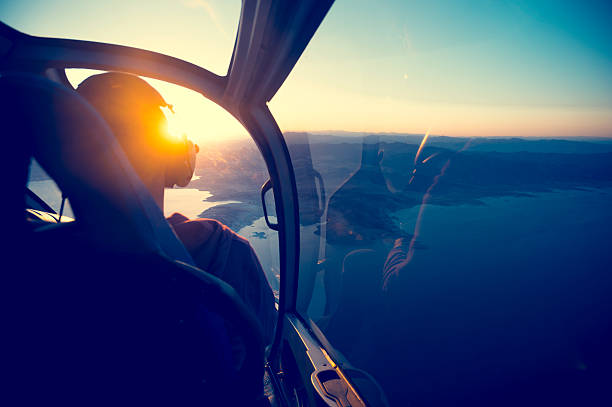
{"x":105,"y":326}
{"x":76,"y":148}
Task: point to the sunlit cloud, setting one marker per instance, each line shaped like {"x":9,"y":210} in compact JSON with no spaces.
{"x":201,"y":4}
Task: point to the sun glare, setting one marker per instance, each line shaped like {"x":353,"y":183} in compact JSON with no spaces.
{"x":175,"y":126}
{"x":201,"y":120}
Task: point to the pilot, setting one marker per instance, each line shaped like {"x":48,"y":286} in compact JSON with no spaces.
{"x":132,"y":108}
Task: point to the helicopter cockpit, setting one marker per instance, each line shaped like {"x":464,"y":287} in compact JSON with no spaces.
{"x":106,"y":214}
{"x":407,"y":266}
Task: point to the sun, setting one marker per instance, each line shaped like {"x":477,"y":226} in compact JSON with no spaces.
{"x":192,"y":115}
{"x":175,"y":126}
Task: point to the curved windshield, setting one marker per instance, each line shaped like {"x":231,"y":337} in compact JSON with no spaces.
{"x":454,"y":171}
{"x":198,"y":31}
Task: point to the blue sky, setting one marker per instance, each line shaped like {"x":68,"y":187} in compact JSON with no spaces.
{"x":531,"y":68}
{"x":483,"y":68}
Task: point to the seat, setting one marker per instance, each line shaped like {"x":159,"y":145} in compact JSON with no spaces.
{"x":108,"y":309}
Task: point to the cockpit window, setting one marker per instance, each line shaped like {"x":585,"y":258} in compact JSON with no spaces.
{"x":455,"y":186}
{"x":198,"y":31}
{"x":229,"y":172}
{"x":43,"y":186}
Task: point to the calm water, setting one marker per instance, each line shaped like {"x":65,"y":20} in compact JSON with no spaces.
{"x":519,"y":284}
{"x":265,"y":243}
{"x":190,"y":202}
{"x":556,"y":225}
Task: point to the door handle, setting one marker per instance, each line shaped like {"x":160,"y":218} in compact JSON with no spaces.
{"x":265,"y":188}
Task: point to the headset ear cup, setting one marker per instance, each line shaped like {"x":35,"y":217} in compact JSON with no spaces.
{"x":175,"y":172}
{"x":184,"y":175}
{"x":180,"y":168}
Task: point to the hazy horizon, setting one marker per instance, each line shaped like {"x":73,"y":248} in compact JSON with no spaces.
{"x":357,"y":133}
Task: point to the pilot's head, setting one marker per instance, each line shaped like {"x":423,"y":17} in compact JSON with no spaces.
{"x":133,"y":110}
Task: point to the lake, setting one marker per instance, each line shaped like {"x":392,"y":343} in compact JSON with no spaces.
{"x":518,"y":286}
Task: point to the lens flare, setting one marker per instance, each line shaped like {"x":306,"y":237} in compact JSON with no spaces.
{"x":429,"y":158}
{"x":416,"y":157}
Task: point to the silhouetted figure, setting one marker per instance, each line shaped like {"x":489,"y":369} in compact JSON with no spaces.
{"x":132,"y":108}
{"x":357,"y":212}
{"x":358,"y":222}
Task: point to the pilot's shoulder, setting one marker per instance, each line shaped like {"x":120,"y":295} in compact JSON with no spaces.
{"x":203,"y":226}
{"x":176,"y":218}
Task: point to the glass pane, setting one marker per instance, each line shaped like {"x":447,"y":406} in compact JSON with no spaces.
{"x":46,"y":189}
{"x":201,"y":32}
{"x":455,"y":222}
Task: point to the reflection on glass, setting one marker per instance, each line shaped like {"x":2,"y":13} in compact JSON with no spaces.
{"x":459,"y":265}
{"x":466,"y":158}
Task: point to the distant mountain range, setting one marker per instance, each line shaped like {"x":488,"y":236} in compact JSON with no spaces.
{"x":473,"y":169}
{"x":577,"y":145}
